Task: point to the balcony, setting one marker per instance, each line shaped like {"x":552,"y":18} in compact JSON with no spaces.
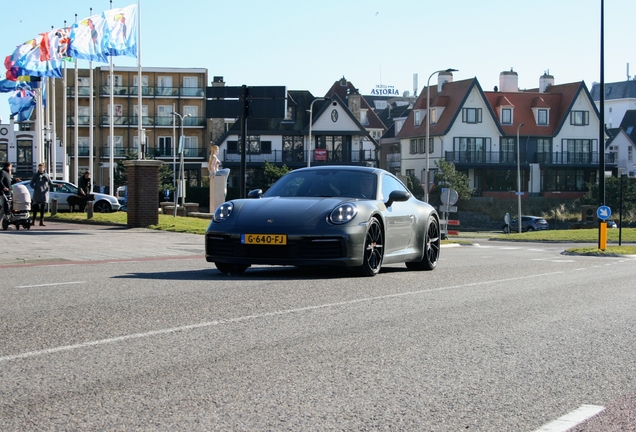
{"x":81,"y":120}
{"x":562,"y":158}
{"x":168,"y":153}
{"x":394,"y":160}
{"x":299,"y":157}
{"x":82,"y":151}
{"x":118,"y":151}
{"x":82,"y":91}
{"x":157,"y":121}
{"x":149,"y":91}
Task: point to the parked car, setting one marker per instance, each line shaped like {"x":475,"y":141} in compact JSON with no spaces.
{"x":612,"y":224}
{"x":341,"y":216}
{"x":101,"y":204}
{"x":528,"y":223}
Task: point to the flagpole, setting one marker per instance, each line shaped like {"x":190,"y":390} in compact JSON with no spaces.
{"x":139,"y":95}
{"x":111,"y":144}
{"x":91,"y":119}
{"x":76,"y":119}
{"x":53,"y":131}
{"x":64,"y":120}
{"x":47,"y":127}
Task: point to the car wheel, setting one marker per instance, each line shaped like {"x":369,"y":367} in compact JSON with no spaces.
{"x":432,"y":246}
{"x":226,"y":268}
{"x":530,"y":229}
{"x":373,"y":249}
{"x":102,"y":207}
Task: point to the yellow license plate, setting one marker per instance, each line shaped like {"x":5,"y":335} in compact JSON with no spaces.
{"x":264,"y":239}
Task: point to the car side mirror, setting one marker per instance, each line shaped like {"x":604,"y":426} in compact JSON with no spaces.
{"x":256,"y":193}
{"x":396,"y":196}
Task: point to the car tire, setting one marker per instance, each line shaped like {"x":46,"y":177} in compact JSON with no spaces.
{"x":530,"y":229}
{"x":373,"y":253}
{"x":102,"y":207}
{"x":432,"y":247}
{"x":226,"y":268}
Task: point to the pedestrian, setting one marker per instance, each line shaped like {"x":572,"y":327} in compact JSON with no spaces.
{"x":40,"y":183}
{"x":85,"y":186}
{"x":5,"y":186}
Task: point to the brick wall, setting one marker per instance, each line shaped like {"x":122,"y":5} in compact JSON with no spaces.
{"x":143,"y":197}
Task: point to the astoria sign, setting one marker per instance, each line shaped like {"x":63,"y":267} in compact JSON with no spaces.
{"x":384,"y":90}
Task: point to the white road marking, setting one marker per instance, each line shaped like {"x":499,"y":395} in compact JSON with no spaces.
{"x":572,"y":419}
{"x":255,"y":317}
{"x":51,"y":284}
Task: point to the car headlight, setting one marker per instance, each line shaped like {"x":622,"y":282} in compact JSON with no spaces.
{"x":343,"y":213}
{"x":223,"y":211}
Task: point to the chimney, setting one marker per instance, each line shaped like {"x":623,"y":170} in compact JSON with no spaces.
{"x":509,"y":81}
{"x":443,"y":78}
{"x":546,"y":80}
{"x":217,"y":81}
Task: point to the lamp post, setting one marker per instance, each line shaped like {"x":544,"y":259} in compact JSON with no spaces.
{"x":180,"y":183}
{"x":311,"y":120}
{"x":428,"y":125}
{"x":518,"y":182}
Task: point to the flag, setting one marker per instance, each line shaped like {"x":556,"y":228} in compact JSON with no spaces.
{"x":7,"y":85}
{"x":37,"y":57}
{"x":22,"y":103}
{"x":87,"y":38}
{"x":121,"y":31}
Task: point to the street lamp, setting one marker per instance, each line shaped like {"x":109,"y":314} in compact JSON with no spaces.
{"x":311,"y":119}
{"x":181,"y":181}
{"x":428,"y":125}
{"x":518,"y":181}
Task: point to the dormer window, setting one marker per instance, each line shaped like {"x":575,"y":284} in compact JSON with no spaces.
{"x":363,"y":117}
{"x":398,"y":125}
{"x":506,"y":116}
{"x":542,"y":117}
{"x":433,"y":116}
{"x":418,"y":117}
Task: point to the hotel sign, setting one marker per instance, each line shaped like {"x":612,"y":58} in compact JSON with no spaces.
{"x":384,"y":90}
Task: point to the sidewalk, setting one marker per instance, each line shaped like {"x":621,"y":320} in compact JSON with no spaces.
{"x":63,"y":241}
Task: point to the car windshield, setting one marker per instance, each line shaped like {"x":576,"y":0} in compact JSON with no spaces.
{"x":325,"y":183}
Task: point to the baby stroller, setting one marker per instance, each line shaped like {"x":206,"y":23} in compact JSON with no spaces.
{"x":19,"y":204}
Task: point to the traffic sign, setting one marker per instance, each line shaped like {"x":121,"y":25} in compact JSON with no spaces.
{"x":448,"y":209}
{"x":449,"y":196}
{"x":603,"y":212}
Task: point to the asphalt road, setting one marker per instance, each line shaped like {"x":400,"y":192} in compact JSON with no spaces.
{"x":145,"y":335}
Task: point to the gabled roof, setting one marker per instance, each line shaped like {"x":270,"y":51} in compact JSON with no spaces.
{"x":628,"y":124}
{"x":452,"y":98}
{"x":616,"y":132}
{"x":617,"y":90}
{"x":344,"y":89}
{"x":557,"y":98}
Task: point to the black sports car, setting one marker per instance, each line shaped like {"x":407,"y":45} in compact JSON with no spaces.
{"x":326,"y":216}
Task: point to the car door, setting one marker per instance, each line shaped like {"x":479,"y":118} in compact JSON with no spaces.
{"x":399,"y":217}
{"x":62,"y":194}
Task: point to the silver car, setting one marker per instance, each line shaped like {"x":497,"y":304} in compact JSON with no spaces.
{"x":102,"y":204}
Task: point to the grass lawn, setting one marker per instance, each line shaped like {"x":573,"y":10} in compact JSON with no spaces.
{"x":198,"y":226}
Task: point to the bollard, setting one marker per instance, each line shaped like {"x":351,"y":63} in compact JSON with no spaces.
{"x":89,"y":209}
{"x":53,"y":206}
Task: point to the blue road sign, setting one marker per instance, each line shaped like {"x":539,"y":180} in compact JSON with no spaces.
{"x":603,"y":212}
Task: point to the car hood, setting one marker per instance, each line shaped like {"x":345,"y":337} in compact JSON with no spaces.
{"x":283,"y":212}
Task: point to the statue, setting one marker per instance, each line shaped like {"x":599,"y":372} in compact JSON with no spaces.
{"x":214,"y":163}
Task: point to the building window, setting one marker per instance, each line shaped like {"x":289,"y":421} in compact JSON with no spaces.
{"x":164,"y":146}
{"x":254,"y":144}
{"x":579,"y":118}
{"x":508,"y":145}
{"x":544,"y":145}
{"x":410,"y":173}
{"x":630,"y":152}
{"x":364,"y":120}
{"x":191,"y":146}
{"x":4,"y":155}
{"x":399,"y":124}
{"x":471,"y":115}
{"x":413,"y":148}
{"x":118,"y":146}
{"x":83,"y":86}
{"x":433,"y":116}
{"x":542,"y":117}
{"x":191,"y":87}
{"x":144,"y":80}
{"x":418,"y":117}
{"x":506,"y":116}
{"x":233,"y":147}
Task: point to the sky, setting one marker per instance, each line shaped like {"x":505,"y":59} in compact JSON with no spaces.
{"x":310,"y":45}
